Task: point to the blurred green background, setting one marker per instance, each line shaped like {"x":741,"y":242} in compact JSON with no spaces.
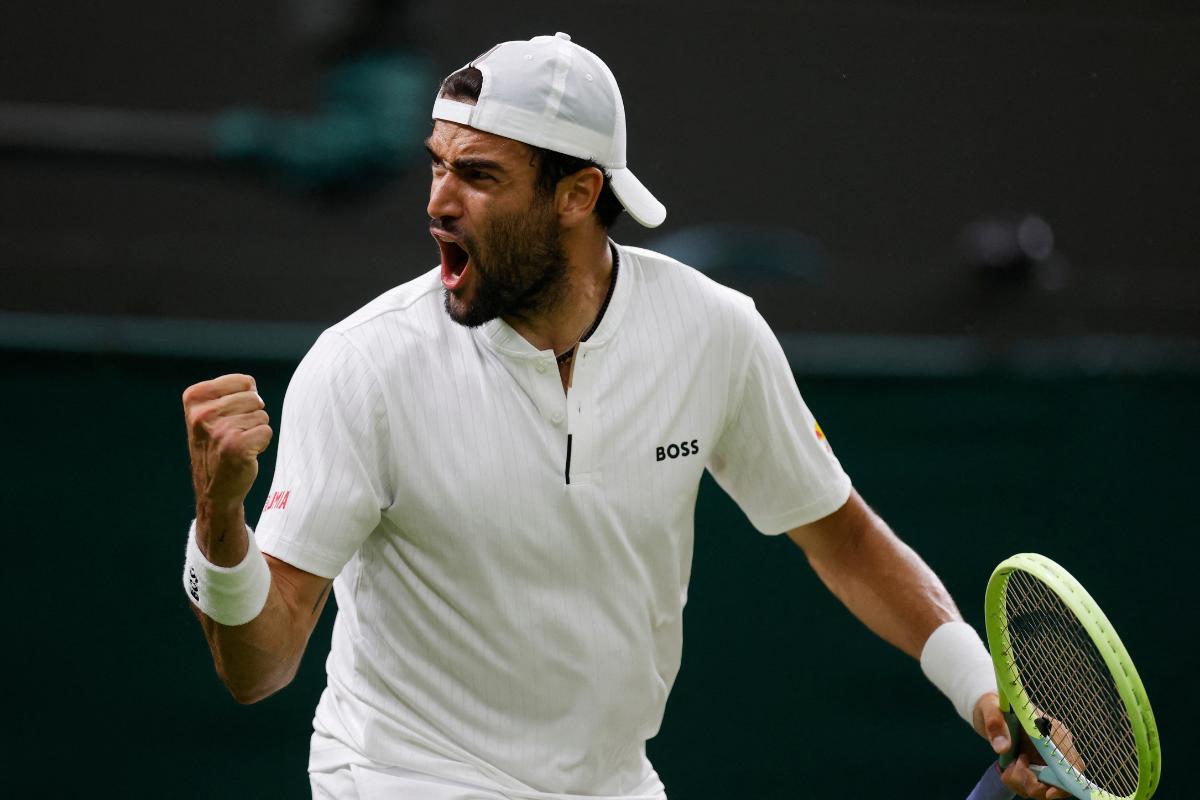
{"x":110,"y":685}
{"x":971,"y":223}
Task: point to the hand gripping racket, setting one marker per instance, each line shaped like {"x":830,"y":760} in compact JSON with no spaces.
{"x":1065,"y":679}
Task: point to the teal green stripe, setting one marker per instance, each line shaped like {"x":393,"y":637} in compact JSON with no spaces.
{"x":156,"y":337}
{"x":827,"y":354}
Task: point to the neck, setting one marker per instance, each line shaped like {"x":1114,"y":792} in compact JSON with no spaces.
{"x":589,"y":264}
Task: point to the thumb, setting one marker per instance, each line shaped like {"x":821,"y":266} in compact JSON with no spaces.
{"x":998,"y":732}
{"x":989,"y":721}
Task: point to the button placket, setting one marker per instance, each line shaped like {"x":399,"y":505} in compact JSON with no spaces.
{"x":547,"y":388}
{"x":580,"y":416}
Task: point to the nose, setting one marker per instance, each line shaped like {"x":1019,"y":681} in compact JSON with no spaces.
{"x":444,"y":199}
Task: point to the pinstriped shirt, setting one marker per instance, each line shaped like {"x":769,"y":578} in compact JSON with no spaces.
{"x":512,"y":561}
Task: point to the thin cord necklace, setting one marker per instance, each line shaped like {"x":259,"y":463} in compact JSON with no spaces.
{"x":565,"y":356}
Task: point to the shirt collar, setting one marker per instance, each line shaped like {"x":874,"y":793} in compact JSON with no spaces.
{"x":499,"y":336}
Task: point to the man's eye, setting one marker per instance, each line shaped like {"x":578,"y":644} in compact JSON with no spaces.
{"x":478,"y":175}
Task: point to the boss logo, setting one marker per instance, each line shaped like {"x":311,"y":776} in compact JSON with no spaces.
{"x":677,"y":450}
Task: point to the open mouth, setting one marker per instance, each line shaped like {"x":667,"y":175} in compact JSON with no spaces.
{"x":455,"y":262}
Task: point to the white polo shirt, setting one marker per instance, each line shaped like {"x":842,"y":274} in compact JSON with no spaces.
{"x":511,"y":561}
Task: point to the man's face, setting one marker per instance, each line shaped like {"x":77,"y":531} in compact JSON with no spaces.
{"x":499,"y":238}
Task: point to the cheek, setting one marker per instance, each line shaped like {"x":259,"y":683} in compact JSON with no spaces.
{"x":508,"y":229}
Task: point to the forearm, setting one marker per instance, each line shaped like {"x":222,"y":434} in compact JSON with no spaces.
{"x":887,"y":586}
{"x":259,"y":657}
{"x":881,"y":580}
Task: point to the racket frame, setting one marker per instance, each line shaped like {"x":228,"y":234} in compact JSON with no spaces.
{"x":1015,"y":701}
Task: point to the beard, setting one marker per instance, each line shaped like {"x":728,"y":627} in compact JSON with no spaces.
{"x":520,"y":268}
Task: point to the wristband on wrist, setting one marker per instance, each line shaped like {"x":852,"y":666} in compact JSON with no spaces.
{"x":228,"y":595}
{"x":955,"y":660}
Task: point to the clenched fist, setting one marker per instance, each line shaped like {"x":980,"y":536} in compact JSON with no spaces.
{"x":227,"y":429}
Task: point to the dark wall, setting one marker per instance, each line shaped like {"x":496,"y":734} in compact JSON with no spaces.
{"x":879,"y":128}
{"x":782,"y":693}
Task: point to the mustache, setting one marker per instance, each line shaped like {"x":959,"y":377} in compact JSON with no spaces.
{"x":445,"y":226}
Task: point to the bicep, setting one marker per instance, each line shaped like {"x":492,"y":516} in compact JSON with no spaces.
{"x":302,"y":593}
{"x":825,"y":538}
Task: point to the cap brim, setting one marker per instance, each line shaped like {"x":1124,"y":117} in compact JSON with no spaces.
{"x":636,"y":198}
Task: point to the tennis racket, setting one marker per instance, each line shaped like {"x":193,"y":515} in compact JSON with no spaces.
{"x":1066,"y":681}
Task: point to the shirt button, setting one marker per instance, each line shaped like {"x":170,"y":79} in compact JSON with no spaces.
{"x":540,"y":366}
{"x":556,"y":417}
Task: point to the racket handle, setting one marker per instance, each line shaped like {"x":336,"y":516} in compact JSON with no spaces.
{"x":990,"y":787}
{"x":1014,"y":739}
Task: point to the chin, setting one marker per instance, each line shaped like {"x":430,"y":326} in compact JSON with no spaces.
{"x":463,"y":311}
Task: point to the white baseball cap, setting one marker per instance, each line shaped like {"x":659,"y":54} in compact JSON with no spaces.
{"x":549,"y":92}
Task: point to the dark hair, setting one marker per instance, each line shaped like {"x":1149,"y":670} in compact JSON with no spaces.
{"x":552,"y":167}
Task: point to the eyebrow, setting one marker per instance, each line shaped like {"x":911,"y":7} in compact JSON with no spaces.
{"x":462,"y":164}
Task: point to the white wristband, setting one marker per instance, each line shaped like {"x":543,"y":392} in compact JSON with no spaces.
{"x":228,"y":595}
{"x":956,"y":662}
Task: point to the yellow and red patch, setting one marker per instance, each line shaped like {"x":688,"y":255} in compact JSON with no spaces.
{"x":821,"y":436}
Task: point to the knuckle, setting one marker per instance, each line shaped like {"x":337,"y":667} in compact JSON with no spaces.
{"x":228,"y":443}
{"x":190,"y":394}
{"x":198,"y":418}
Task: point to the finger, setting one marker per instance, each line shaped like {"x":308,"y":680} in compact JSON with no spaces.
{"x":1020,"y":779}
{"x":218,"y":387}
{"x":257,"y":439}
{"x":236,"y":403}
{"x":1034,"y":788}
{"x":235,"y":439}
{"x":1030,"y":785}
{"x":245,"y":422}
{"x":209,"y":414}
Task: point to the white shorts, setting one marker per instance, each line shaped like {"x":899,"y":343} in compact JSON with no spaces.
{"x":336,"y":772}
{"x":356,"y":782}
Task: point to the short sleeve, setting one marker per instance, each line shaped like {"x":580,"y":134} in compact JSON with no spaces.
{"x":772,"y":456}
{"x":331,"y":477}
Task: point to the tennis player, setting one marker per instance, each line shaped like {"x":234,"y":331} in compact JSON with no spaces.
{"x":495,"y":466}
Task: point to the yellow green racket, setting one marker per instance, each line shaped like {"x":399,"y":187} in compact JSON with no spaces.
{"x":1065,"y":678}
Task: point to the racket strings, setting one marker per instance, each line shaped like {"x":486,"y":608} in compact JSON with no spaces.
{"x":1095,"y":710}
{"x":1065,"y":678}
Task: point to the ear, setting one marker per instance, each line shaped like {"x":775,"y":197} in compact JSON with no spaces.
{"x":576,"y":195}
